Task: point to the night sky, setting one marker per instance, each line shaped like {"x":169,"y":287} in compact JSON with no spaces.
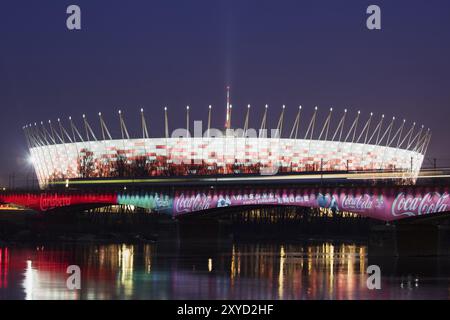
{"x":151,"y":54}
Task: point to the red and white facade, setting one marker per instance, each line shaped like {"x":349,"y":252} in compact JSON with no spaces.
{"x":220,"y":155}
{"x":359,"y":144}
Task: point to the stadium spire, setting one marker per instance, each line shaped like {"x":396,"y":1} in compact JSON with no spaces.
{"x":228,"y":117}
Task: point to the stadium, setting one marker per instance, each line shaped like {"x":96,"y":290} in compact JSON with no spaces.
{"x":61,"y":154}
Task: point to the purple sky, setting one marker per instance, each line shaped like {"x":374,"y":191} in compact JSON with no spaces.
{"x":133,"y":54}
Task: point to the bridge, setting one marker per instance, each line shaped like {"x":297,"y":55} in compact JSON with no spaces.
{"x":383,"y":203}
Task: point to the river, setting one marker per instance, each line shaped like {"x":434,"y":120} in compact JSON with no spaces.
{"x":204,"y":270}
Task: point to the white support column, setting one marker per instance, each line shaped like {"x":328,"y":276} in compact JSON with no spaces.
{"x":353,"y":128}
{"x":397,"y":133}
{"x":340,"y":127}
{"x":312,"y":122}
{"x":85,"y":128}
{"x":64,"y":132}
{"x":55,"y":133}
{"x":296,"y":124}
{"x":387,"y":132}
{"x":105,"y":132}
{"x":52,"y":133}
{"x":379,"y":130}
{"x":45,"y":133}
{"x":209,"y":119}
{"x":88,"y":128}
{"x":427,"y":144}
{"x":187,"y":122}
{"x":48,"y":148}
{"x":247,"y":115}
{"x":62,"y":142}
{"x":408,"y":135}
{"x":420,"y":139}
{"x":104,"y":127}
{"x":166,"y":123}
{"x":417,"y":137}
{"x":326,"y":126}
{"x":144,"y":125}
{"x":75,"y":130}
{"x":263,"y":123}
{"x":280,"y":122}
{"x":123,"y":127}
{"x":365,"y":130}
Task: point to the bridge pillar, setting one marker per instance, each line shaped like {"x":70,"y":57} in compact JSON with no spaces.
{"x":204,"y":229}
{"x":409,"y":240}
{"x":168,"y":230}
{"x":444,"y":239}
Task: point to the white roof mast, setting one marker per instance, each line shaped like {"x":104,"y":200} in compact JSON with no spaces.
{"x":228,"y":118}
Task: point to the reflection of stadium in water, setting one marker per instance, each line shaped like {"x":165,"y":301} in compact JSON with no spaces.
{"x":239,"y":271}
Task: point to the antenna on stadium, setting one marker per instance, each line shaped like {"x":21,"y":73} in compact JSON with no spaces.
{"x":229,"y":108}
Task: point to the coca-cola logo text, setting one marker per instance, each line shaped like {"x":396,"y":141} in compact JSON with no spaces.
{"x":362,"y":202}
{"x":195,"y":203}
{"x":409,"y":205}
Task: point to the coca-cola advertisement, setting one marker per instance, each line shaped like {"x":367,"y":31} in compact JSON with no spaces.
{"x":386,"y":205}
{"x":407,"y":205}
{"x":361,"y":203}
{"x":382,"y":204}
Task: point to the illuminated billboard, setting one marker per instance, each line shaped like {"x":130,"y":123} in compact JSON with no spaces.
{"x":386,"y":204}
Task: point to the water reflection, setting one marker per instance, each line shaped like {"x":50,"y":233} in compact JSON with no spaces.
{"x":216,"y":271}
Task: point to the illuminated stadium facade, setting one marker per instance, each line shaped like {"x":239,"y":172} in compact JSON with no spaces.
{"x":60,"y":154}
